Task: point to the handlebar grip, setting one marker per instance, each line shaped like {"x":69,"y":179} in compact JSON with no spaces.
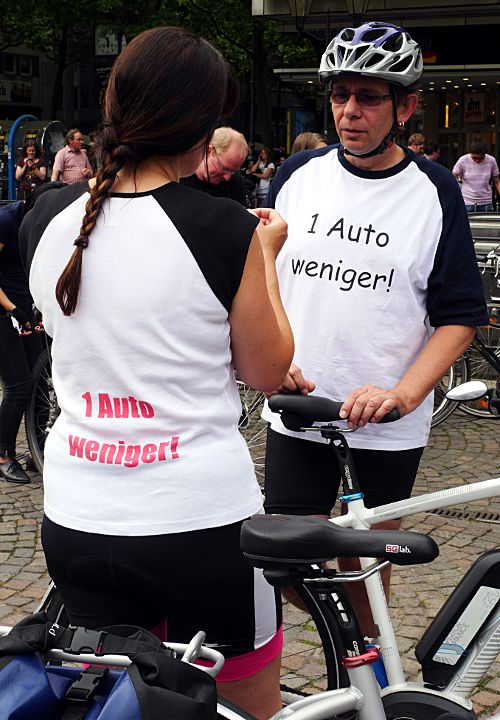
{"x":391,"y":416}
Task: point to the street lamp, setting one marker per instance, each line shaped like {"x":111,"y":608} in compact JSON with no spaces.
{"x":300,"y":9}
{"x":357,"y":8}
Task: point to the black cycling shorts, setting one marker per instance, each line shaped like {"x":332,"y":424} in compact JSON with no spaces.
{"x":197,"y":580}
{"x":302,"y":477}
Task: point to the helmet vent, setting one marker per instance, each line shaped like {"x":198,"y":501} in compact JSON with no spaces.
{"x":347,"y":35}
{"x":402,"y":64}
{"x":372,"y":35}
{"x":360,"y":51}
{"x":374,"y":59}
{"x":394,"y":43}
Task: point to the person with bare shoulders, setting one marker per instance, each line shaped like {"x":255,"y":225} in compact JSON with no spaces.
{"x":153,"y":292}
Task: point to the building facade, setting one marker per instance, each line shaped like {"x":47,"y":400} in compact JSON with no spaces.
{"x":460,"y":91}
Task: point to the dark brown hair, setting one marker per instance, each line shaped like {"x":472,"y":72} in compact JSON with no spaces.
{"x":166,"y":93}
{"x":478,"y":146}
{"x":24,"y":151}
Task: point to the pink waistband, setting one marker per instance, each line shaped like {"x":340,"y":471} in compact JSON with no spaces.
{"x":242,"y":666}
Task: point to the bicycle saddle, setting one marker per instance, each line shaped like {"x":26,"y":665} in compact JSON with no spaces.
{"x":299,"y":411}
{"x":278,"y":541}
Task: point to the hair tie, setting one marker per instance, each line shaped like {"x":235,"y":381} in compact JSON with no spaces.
{"x":81,"y":241}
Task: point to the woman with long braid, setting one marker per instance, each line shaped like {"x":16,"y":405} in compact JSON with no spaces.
{"x":147,"y":479}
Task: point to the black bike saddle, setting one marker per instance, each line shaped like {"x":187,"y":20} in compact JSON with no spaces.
{"x":286,"y":541}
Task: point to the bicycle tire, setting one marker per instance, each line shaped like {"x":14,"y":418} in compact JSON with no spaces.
{"x":331,"y":641}
{"x":42,"y":409}
{"x":252,"y":426}
{"x":443,"y":407}
{"x":480,"y":369}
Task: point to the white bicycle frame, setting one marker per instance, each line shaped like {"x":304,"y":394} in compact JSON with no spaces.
{"x":360,"y":517}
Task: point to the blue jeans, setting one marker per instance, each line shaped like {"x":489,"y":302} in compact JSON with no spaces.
{"x":486,"y":207}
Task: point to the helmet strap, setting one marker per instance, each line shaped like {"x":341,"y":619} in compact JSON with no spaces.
{"x":388,"y":141}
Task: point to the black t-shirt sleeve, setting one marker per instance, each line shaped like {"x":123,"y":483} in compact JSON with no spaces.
{"x":10,"y":216}
{"x":455,"y":293}
{"x":35,"y":222}
{"x":237,"y":189}
{"x":217,"y":232}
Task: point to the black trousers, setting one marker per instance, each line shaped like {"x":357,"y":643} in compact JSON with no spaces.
{"x":17,"y":356}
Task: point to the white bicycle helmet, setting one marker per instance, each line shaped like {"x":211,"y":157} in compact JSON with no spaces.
{"x":378,"y":50}
{"x":375,"y":49}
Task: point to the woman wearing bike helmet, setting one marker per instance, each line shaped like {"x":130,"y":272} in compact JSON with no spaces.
{"x":147,"y":479}
{"x":378,"y":278}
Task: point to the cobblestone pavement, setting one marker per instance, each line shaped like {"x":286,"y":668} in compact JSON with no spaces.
{"x":460,"y":450}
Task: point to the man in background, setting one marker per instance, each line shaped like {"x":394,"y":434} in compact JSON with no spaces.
{"x":432,"y":151}
{"x":71,"y":164}
{"x":219,"y":172}
{"x":416,"y":142}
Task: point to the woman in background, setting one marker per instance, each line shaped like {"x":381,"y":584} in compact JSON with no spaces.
{"x":30,"y":169}
{"x":262,"y":169}
{"x":308,"y":141}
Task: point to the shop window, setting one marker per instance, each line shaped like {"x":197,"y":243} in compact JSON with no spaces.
{"x":9,"y":63}
{"x":449,"y":110}
{"x":25,"y":66}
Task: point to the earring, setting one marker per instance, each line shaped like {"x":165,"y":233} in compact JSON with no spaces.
{"x":401,"y":125}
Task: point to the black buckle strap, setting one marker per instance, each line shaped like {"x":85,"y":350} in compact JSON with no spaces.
{"x":84,"y":640}
{"x":84,"y":688}
{"x":82,"y":691}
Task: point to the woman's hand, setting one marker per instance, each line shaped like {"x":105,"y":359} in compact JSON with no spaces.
{"x":294,"y":382}
{"x":22,"y":319}
{"x":272,"y":230}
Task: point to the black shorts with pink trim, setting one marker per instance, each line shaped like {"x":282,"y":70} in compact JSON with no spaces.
{"x":198,"y":580}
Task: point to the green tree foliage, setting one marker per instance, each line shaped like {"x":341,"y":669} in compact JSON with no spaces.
{"x":64,"y":32}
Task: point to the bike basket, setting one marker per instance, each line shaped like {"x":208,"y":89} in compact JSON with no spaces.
{"x":156,"y":684}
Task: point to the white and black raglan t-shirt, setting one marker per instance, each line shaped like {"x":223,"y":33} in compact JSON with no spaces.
{"x":373,"y":262}
{"x":147,"y":440}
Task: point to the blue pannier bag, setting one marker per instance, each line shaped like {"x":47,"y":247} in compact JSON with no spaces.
{"x":155,"y":686}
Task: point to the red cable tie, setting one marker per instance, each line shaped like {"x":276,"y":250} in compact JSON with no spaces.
{"x":370,"y":656}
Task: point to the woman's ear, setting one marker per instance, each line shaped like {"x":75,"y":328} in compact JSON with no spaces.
{"x":407,"y":107}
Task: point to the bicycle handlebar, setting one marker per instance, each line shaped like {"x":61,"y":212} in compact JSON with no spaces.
{"x":299,"y":411}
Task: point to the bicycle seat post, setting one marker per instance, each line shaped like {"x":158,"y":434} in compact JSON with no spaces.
{"x":337,"y":441}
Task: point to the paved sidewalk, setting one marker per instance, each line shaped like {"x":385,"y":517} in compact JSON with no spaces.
{"x":461,"y":450}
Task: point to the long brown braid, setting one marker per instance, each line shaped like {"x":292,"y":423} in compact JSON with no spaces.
{"x":68,"y":285}
{"x":152,"y":108}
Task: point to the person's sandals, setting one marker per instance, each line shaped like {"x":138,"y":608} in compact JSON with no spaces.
{"x":13,"y":472}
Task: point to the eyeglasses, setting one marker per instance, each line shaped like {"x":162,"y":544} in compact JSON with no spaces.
{"x":222,"y":167}
{"x":363,"y":98}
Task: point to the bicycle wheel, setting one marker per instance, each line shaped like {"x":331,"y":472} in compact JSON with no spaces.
{"x":480,"y":369}
{"x":309,"y":641}
{"x":252,"y":427}
{"x":457,"y":374}
{"x":42,"y":410}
